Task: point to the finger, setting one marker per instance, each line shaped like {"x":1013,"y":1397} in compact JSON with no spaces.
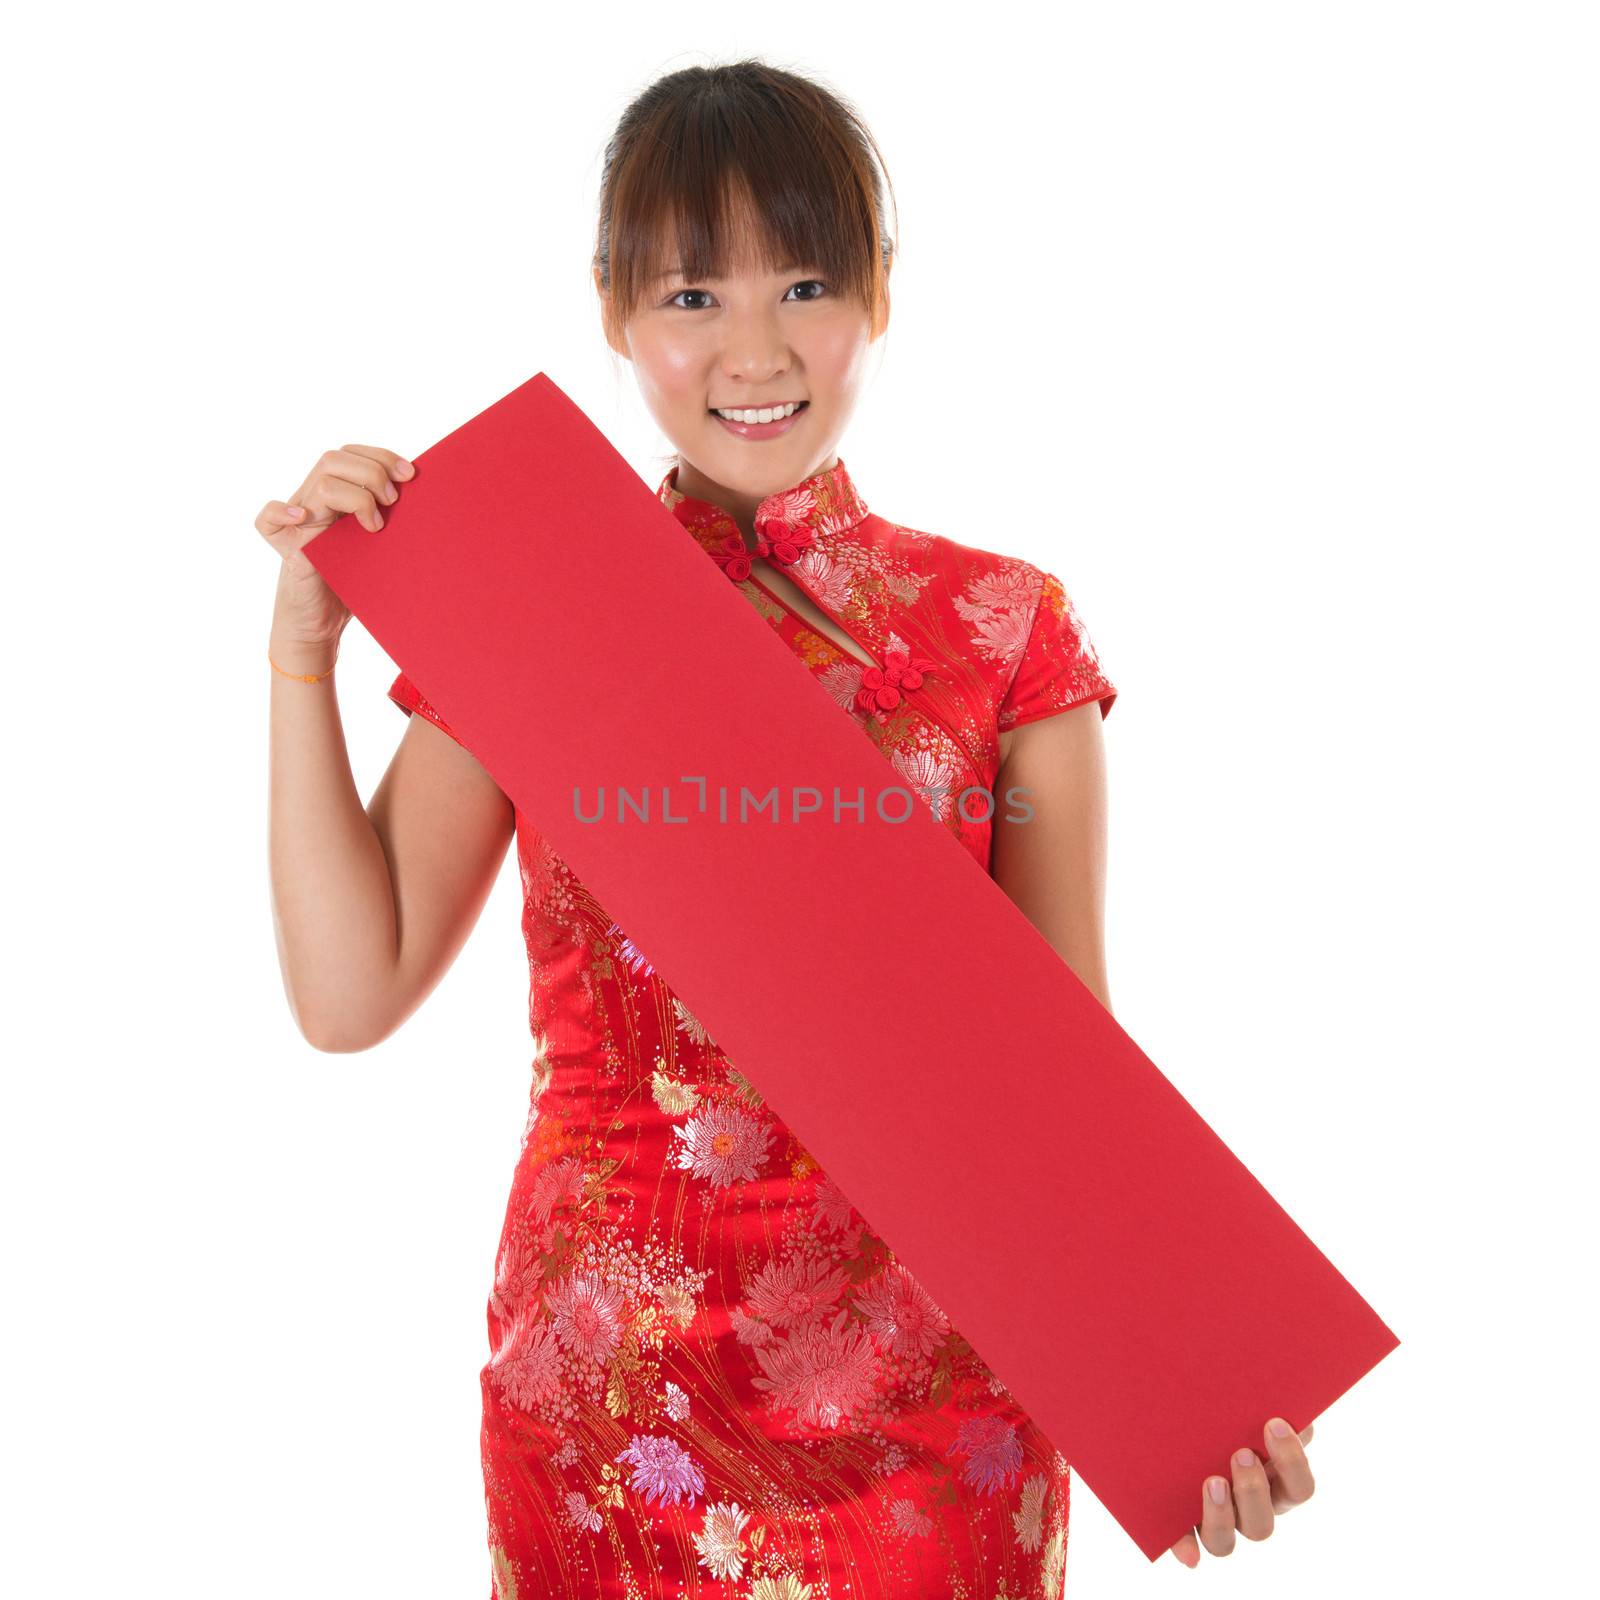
{"x":333,"y":493}
{"x":394,"y":465}
{"x":276,"y":515}
{"x":1288,"y":1468}
{"x":1217,"y":1528}
{"x":356,"y":464}
{"x":288,"y":529}
{"x":1187,"y":1550}
{"x":352,"y":466}
{"x":394,"y":468}
{"x":1252,"y":1495}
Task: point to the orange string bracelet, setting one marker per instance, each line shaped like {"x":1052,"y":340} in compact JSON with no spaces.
{"x":304,"y":677}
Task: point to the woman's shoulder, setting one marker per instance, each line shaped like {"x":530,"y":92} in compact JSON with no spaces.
{"x":1013,"y":619}
{"x":964,"y":572}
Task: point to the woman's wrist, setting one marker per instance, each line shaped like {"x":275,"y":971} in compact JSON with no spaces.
{"x":299,"y":657}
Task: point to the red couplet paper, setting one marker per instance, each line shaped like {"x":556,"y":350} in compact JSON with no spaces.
{"x":888,"y":999}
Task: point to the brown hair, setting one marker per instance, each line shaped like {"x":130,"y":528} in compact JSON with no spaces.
{"x":742,"y":157}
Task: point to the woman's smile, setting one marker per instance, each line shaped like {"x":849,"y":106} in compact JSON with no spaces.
{"x":763,"y":430}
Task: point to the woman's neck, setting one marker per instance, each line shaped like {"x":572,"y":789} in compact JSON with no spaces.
{"x":740,"y":506}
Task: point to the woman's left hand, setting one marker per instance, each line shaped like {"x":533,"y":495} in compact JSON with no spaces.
{"x":1259,"y":1491}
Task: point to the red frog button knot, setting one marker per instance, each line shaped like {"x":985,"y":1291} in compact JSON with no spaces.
{"x":780,"y":543}
{"x":731,"y":555}
{"x":881,"y":687}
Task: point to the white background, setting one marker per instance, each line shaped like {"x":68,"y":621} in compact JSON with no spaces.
{"x":1270,"y":328}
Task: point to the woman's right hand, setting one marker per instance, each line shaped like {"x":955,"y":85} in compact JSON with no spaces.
{"x":356,"y":479}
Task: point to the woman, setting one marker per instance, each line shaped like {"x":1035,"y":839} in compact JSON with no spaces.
{"x":705,"y":1366}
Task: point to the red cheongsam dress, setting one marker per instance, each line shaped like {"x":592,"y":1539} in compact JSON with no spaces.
{"x":708,"y":1376}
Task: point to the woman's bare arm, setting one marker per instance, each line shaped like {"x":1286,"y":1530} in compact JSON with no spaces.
{"x":371,"y":904}
{"x":1053,"y":864}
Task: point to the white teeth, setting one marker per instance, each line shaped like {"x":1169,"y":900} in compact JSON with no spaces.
{"x":767,"y":414}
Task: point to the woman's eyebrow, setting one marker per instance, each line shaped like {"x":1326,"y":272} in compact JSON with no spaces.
{"x":678,"y":272}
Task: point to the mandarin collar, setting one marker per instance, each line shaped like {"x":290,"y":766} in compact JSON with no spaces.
{"x":810,"y":515}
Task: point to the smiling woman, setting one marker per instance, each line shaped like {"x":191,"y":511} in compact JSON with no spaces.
{"x":703,"y":1361}
{"x":750,"y":1387}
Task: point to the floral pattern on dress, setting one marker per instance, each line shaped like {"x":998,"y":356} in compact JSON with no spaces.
{"x":707,"y":1374}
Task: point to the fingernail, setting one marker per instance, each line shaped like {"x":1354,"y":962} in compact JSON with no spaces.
{"x":1245,"y":1458}
{"x":379,"y":516}
{"x":1278,"y":1428}
{"x":296,"y":511}
{"x":1218,"y":1490}
{"x":403,"y":468}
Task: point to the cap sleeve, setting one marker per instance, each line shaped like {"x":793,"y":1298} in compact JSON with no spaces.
{"x":409,"y":698}
{"x":1058,"y":667}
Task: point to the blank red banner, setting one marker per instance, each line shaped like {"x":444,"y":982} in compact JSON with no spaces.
{"x":1019,"y":1152}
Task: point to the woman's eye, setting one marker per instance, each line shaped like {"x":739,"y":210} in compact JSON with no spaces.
{"x":815,"y":283}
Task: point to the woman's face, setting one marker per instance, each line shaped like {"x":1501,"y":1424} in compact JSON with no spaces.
{"x":753,"y":340}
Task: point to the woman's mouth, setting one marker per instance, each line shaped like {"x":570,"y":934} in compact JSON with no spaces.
{"x":778,"y":426}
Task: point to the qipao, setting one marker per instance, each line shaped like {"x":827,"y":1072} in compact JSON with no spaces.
{"x":707,"y":1375}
